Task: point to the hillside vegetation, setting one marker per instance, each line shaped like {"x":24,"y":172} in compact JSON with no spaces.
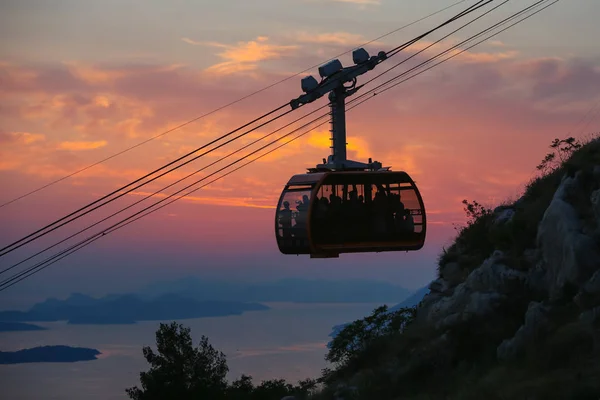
{"x":515,"y":311}
{"x":513,"y":314}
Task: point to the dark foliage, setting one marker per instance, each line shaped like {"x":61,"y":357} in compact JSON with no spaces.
{"x":180,"y":371}
{"x":472,"y":239}
{"x":361,"y":334}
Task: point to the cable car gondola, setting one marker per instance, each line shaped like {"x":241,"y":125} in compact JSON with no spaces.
{"x":345,"y":206}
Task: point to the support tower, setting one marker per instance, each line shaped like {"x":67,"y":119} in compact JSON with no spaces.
{"x":333,"y":78}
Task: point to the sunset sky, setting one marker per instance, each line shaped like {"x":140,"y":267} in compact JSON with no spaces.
{"x":81,"y":80}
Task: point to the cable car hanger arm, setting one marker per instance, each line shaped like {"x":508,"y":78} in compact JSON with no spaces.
{"x":334,"y":76}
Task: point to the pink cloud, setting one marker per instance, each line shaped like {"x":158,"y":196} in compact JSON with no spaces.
{"x":566,"y":80}
{"x":462,"y":130}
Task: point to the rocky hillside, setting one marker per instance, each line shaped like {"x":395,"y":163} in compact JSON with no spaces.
{"x":515,"y":311}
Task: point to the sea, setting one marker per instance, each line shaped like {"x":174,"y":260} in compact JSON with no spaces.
{"x":289,"y":341}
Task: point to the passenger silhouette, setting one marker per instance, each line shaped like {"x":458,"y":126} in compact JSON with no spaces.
{"x":399,"y":206}
{"x":301,"y":217}
{"x":285,"y":219}
{"x":409,"y":222}
{"x":380,"y":208}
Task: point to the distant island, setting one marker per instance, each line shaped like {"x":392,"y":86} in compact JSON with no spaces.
{"x":48,"y":354}
{"x":294,"y":290}
{"x":19,"y":326}
{"x":127,"y":309}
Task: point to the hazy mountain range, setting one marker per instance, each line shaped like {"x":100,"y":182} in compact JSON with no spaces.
{"x":127,"y":309}
{"x":48,"y":354}
{"x":193,"y":297}
{"x":285,"y":290}
{"x":19,"y":326}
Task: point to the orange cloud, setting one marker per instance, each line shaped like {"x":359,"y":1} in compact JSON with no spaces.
{"x":357,"y":148}
{"x":231,"y":68}
{"x":283,"y":153}
{"x":42,"y":159}
{"x":92,"y":74}
{"x":334,"y":38}
{"x":319,"y":139}
{"x":91,"y":114}
{"x":17,"y":75}
{"x":102,"y":101}
{"x":486,"y":57}
{"x":497,"y":43}
{"x":251,"y":202}
{"x":26,"y":137}
{"x":8,"y":165}
{"x":404,"y":158}
{"x":244,"y":55}
{"x":79,"y":146}
{"x":191,"y":41}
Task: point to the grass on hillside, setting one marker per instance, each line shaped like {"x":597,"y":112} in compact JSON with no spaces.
{"x":476,"y":241}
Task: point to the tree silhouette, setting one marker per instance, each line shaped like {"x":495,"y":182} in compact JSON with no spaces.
{"x":180,"y":371}
{"x":357,"y":336}
{"x":550,"y":163}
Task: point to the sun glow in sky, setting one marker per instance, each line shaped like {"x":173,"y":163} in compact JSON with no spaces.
{"x":82,"y":80}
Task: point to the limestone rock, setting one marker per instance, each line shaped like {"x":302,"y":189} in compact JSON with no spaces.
{"x":503,"y":216}
{"x":440,"y":286}
{"x":428,"y":300}
{"x":423,"y":308}
{"x":536,"y":281}
{"x":437,"y":286}
{"x":445,"y":307}
{"x":531,"y":256}
{"x":589,"y":295}
{"x":481,"y":304}
{"x":536,"y":326}
{"x":345,"y":392}
{"x":595,"y":199}
{"x":593,"y":285}
{"x":568,"y":255}
{"x":452,"y":274}
{"x":482,"y":292}
{"x":494,"y":276}
{"x":591,"y":317}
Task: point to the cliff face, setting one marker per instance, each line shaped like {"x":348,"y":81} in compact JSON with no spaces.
{"x":515,"y":312}
{"x":566,"y":268}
